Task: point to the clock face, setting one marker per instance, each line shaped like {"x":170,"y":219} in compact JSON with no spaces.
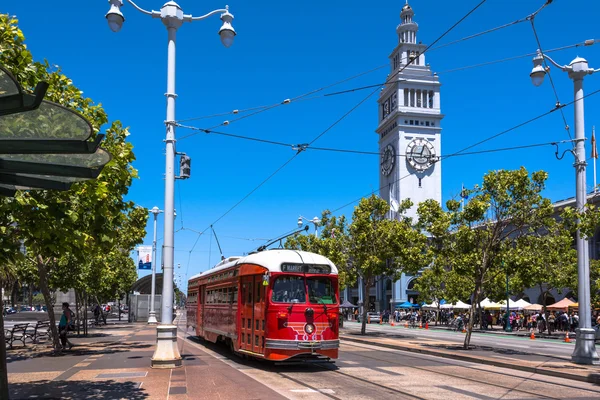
{"x":420,"y":154}
{"x":388,"y":159}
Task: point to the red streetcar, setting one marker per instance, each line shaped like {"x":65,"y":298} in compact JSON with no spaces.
{"x":275,"y":305}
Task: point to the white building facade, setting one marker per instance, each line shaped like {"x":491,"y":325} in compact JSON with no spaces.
{"x":409,"y":138}
{"x":409,"y":117}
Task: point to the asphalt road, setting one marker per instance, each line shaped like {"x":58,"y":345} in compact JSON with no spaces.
{"x":550,"y":347}
{"x":369,"y":372}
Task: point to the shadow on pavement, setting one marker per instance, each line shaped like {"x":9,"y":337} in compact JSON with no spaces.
{"x":262,"y":365}
{"x":105,"y":347}
{"x":77,"y":390}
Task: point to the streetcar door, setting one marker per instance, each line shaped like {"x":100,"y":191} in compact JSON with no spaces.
{"x":247,"y":314}
{"x":259,"y":315}
{"x":200,"y":311}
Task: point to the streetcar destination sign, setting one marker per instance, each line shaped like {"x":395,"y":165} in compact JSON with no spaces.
{"x":306,"y":268}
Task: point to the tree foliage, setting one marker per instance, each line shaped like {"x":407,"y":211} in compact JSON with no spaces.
{"x":505,"y":220}
{"x":79,"y":238}
{"x":373,"y":245}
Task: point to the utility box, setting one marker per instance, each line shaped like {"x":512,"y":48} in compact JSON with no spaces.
{"x":139,"y":307}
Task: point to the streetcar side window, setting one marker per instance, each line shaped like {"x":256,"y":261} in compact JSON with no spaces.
{"x":320,"y":291}
{"x":289,"y":289}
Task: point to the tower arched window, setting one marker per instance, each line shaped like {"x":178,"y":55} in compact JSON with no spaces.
{"x":419,"y":104}
{"x":405,"y":98}
{"x":412,"y":97}
{"x":430,"y":99}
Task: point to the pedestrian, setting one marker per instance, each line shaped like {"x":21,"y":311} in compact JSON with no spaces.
{"x":66,"y":323}
{"x":97,"y":311}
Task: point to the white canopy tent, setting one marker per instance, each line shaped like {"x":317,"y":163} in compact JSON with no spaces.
{"x":515,"y":305}
{"x":485,"y":302}
{"x":432,"y":306}
{"x":493,"y":306}
{"x":461,"y":306}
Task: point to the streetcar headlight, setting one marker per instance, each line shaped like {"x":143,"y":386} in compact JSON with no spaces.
{"x":309,"y":328}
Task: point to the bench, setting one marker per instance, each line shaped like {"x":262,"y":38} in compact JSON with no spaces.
{"x":41,"y":329}
{"x":18,"y":332}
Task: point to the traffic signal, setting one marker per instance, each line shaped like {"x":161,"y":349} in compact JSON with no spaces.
{"x":185,"y":167}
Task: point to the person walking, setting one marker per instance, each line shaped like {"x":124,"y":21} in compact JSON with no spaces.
{"x":66,"y":321}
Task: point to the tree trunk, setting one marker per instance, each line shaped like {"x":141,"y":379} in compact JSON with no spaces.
{"x":77,"y":309}
{"x":479,"y":309}
{"x":365,"y":287}
{"x":471,"y":315}
{"x":30,"y":294}
{"x":544,"y":297}
{"x":43,"y":270}
{"x":85,"y":315}
{"x":3,"y":368}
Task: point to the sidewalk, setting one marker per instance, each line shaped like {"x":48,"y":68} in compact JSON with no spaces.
{"x":113,"y":362}
{"x":512,"y":359}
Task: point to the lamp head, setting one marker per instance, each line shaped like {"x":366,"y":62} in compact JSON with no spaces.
{"x":227,"y":33}
{"x":299,"y":222}
{"x":316,"y":221}
{"x":115,"y":16}
{"x":155,"y":210}
{"x":538,"y":72}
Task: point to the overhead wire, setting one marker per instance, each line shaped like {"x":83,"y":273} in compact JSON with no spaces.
{"x":260,"y":109}
{"x":588,"y":42}
{"x":460,"y":152}
{"x":558,"y":103}
{"x":398,"y":72}
{"x":270,"y":106}
{"x":338,"y":120}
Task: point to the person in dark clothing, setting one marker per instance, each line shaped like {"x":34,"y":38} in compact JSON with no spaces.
{"x":66,"y":321}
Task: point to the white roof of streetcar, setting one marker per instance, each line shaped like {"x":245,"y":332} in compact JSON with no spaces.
{"x":272,"y":260}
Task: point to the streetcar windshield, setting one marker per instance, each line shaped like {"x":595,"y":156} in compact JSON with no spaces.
{"x":320,"y":291}
{"x":289,"y":289}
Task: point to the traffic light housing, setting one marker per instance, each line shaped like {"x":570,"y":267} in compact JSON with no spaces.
{"x":185,"y":167}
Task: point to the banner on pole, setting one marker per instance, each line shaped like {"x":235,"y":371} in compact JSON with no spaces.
{"x":145,"y":257}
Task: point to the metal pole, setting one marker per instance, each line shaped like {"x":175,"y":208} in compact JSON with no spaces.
{"x":585,"y":349}
{"x":595,"y":152}
{"x":152,"y":316}
{"x":507,"y":327}
{"x":167,"y":354}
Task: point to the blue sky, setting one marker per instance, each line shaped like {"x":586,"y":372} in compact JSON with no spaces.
{"x":287,"y":49}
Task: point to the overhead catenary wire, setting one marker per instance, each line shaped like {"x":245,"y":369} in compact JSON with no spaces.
{"x":588,"y":42}
{"x":263,"y":108}
{"x":537,"y":39}
{"x":462,"y":151}
{"x":363,"y":152}
{"x":337,"y":121}
{"x":259,"y":109}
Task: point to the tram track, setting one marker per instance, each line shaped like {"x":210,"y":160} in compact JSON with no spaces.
{"x":480,"y":370}
{"x":382,"y":390}
{"x":287,"y":376}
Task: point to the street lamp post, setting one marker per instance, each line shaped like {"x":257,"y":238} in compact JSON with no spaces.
{"x":507,"y":326}
{"x":152,"y":317}
{"x":315,"y":221}
{"x":167,"y":354}
{"x":585,"y":349}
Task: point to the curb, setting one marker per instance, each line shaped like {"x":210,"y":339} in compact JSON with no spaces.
{"x":478,"y":360}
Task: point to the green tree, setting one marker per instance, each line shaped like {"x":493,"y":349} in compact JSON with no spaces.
{"x":476,"y":241}
{"x":62,"y":230}
{"x":371,"y":247}
{"x":380,"y":246}
{"x":331,"y":243}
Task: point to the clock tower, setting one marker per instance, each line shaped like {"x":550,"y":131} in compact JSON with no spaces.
{"x":409,"y":140}
{"x":409,"y":123}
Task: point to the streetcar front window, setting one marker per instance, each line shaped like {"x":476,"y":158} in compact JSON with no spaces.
{"x":320,"y":291}
{"x":289,"y":289}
